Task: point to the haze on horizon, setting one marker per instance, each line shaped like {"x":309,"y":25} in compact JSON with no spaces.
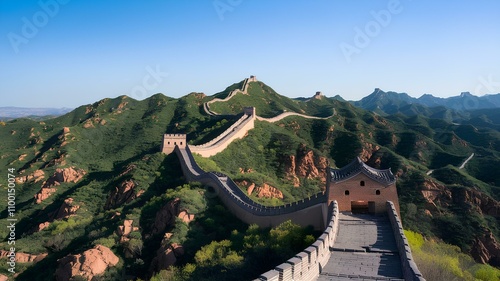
{"x":65,"y":53}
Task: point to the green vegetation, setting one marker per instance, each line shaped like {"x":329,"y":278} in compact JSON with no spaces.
{"x":244,"y":255}
{"x":116,"y":142}
{"x":441,"y":261}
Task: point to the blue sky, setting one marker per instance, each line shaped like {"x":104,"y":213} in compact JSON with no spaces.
{"x":66,"y":53}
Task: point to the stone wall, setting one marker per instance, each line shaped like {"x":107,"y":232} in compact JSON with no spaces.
{"x":243,"y":90}
{"x":310,"y":211}
{"x":410,"y":269}
{"x":237,"y":131}
{"x":307,"y":265}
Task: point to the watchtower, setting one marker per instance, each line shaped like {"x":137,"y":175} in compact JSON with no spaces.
{"x":249,"y":110}
{"x":358,"y":187}
{"x":172,"y":140}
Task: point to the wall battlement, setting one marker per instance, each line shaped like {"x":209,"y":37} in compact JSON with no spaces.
{"x":237,"y":131}
{"x":170,"y":141}
{"x":307,"y":265}
{"x":310,"y":211}
{"x":410,"y":269}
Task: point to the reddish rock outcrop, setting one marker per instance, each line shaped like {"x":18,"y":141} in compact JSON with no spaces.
{"x":36,"y":176}
{"x":265,"y":190}
{"x":122,"y":194}
{"x":24,"y":257}
{"x":268,"y":191}
{"x":436,"y":195}
{"x":167,"y":214}
{"x":486,"y":249}
{"x":166,"y":256}
{"x":64,"y":175}
{"x":41,"y":226}
{"x":305,"y":165}
{"x":290,"y":171}
{"x":61,"y":175}
{"x":88,"y":264}
{"x":3,"y":277}
{"x":43,"y":194}
{"x":124,"y":230}
{"x":482,"y":202}
{"x":67,"y":209}
{"x":367,"y":151}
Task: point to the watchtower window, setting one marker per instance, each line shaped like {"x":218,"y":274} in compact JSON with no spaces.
{"x":377,"y":192}
{"x":175,"y":143}
{"x":181,"y":142}
{"x":362,"y":183}
{"x":168,"y":143}
{"x":346,"y":192}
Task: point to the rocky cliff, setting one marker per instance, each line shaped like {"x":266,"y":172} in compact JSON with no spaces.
{"x":305,"y":164}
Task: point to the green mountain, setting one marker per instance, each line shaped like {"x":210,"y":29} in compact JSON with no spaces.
{"x":95,"y":178}
{"x":453,"y":109}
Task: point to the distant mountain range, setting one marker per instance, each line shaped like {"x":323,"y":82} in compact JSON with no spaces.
{"x":391,"y":102}
{"x":10,"y":112}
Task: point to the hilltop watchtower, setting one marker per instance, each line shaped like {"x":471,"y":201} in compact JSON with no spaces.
{"x":358,"y":187}
{"x":171,"y":140}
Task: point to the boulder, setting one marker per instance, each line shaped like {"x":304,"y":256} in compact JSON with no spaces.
{"x":88,"y":264}
{"x":24,"y":257}
{"x":122,"y":194}
{"x":67,"y":209}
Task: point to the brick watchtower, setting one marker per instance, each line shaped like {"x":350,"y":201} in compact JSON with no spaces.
{"x":358,"y":187}
{"x":171,"y":140}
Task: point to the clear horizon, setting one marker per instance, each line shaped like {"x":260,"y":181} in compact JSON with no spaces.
{"x":67,"y":53}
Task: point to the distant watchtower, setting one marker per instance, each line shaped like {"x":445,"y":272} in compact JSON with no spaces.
{"x":252,"y":78}
{"x":171,"y":140}
{"x":358,"y":187}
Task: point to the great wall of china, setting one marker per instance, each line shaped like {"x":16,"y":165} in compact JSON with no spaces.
{"x":336,"y":254}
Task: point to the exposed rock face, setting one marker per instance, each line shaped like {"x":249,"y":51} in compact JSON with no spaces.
{"x":305,"y":165}
{"x":3,"y":277}
{"x":122,"y":194}
{"x":43,"y":194}
{"x":266,"y":190}
{"x":66,"y":210}
{"x":486,"y":249}
{"x":483,"y":203}
{"x":166,"y":256}
{"x":128,"y":169}
{"x":36,"y":176}
{"x":124,"y":230}
{"x":367,"y":151}
{"x":24,"y":257}
{"x":435,"y":194}
{"x":61,"y":175}
{"x":88,"y":264}
{"x":41,"y":226}
{"x":167,"y":214}
{"x":64,"y":175}
{"x":186,"y":217}
{"x":290,"y":171}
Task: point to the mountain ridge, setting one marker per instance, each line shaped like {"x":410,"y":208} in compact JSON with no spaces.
{"x":111,"y":148}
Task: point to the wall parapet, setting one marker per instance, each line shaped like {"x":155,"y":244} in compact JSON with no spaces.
{"x":410,"y":269}
{"x":243,"y":90}
{"x":226,"y":185}
{"x":307,"y":265}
